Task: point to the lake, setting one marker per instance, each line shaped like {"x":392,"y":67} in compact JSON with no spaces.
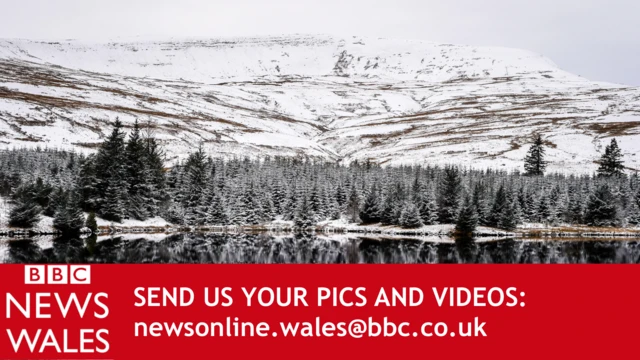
{"x":267,"y":248}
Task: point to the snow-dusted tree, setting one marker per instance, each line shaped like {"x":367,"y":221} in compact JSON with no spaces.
{"x":304,"y":218}
{"x":195,"y":185}
{"x":316,"y":201}
{"x":110,"y":172}
{"x":141,"y":198}
{"x":449,"y":196}
{"x":633,"y":214}
{"x":611,"y":161}
{"x":601,"y":208}
{"x":428,"y":208}
{"x":508,"y":219}
{"x":370,"y":212}
{"x":544,"y":212}
{"x":534,"y":163}
{"x":574,"y":212}
{"x":353,"y":205}
{"x":498,"y":208}
{"x":479,"y":202}
{"x":410,"y":216}
{"x":216,"y":213}
{"x":467,"y":218}
{"x":69,"y":218}
{"x":26,"y":211}
{"x":91,"y":223}
{"x":341,"y":196}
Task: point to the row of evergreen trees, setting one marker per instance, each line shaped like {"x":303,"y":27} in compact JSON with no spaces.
{"x":126,"y":179}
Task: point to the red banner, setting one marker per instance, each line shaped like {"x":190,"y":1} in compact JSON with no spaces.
{"x":318,"y":311}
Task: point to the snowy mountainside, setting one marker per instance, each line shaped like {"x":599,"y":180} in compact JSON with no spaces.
{"x":392,"y":101}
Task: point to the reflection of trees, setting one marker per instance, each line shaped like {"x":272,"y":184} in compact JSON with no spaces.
{"x":25,"y":251}
{"x":312,"y":249}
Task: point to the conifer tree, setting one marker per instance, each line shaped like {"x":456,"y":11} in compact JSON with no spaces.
{"x":467,"y":218}
{"x":216,"y":214}
{"x":449,"y":196}
{"x":317,"y":202}
{"x":88,"y":184}
{"x":611,"y":161}
{"x":353,"y":205}
{"x":574,"y":213}
{"x":25,"y":213}
{"x":370,"y":212}
{"x":341,"y":196}
{"x":508,"y":219}
{"x":534,"y":163}
{"x":156,"y":177}
{"x":479,"y":202}
{"x":111,"y":175}
{"x":544,"y":212}
{"x":410,"y":216}
{"x":499,"y":204}
{"x":428,"y":208}
{"x":91,"y":223}
{"x":195,"y":186}
{"x":633,"y":214}
{"x":304,"y":219}
{"x":137,"y":173}
{"x":69,"y":218}
{"x":601,"y":208}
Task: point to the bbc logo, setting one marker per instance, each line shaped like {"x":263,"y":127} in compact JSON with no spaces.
{"x":57,"y":274}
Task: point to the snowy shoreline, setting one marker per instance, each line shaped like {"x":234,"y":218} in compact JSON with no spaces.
{"x":158,"y":225}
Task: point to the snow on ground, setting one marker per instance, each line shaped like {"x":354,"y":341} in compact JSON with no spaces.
{"x":45,"y":225}
{"x":132,"y":223}
{"x":128,"y":237}
{"x":392,"y":101}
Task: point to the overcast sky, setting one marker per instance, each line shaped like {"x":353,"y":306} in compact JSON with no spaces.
{"x":598,"y":39}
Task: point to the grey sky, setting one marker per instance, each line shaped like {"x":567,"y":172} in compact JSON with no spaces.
{"x":598,"y":39}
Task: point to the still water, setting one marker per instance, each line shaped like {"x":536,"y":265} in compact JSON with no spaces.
{"x":336,"y":249}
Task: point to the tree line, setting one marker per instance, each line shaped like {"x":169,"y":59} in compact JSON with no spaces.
{"x":127,"y":179}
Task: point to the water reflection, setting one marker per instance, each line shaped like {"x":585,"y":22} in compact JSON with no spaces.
{"x":267,"y":248}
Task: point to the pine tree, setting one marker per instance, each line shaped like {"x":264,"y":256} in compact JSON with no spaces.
{"x":467,"y":218}
{"x":499,"y":204}
{"x":89,"y":184}
{"x":370,"y":212}
{"x":216,"y":214}
{"x":544,"y":212}
{"x":317,"y":202}
{"x":410,"y":216}
{"x":611,"y":161}
{"x":633,"y":214}
{"x":428,"y":208}
{"x":479,"y":202}
{"x":304,"y":218}
{"x":601,"y":207}
{"x":139,"y":186}
{"x":196,"y":178}
{"x":113,"y":204}
{"x":534,"y":163}
{"x":91,"y":223}
{"x":353,"y":205}
{"x":155,"y":174}
{"x":69,"y":218}
{"x":391,"y":207}
{"x":574,"y":212}
{"x":508,"y":219}
{"x":341,"y":196}
{"x":449,"y":196}
{"x":110,"y":172}
{"x":26,"y":211}
{"x":25,"y":214}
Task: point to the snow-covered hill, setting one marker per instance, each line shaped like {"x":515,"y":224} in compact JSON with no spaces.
{"x":392,"y":101}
